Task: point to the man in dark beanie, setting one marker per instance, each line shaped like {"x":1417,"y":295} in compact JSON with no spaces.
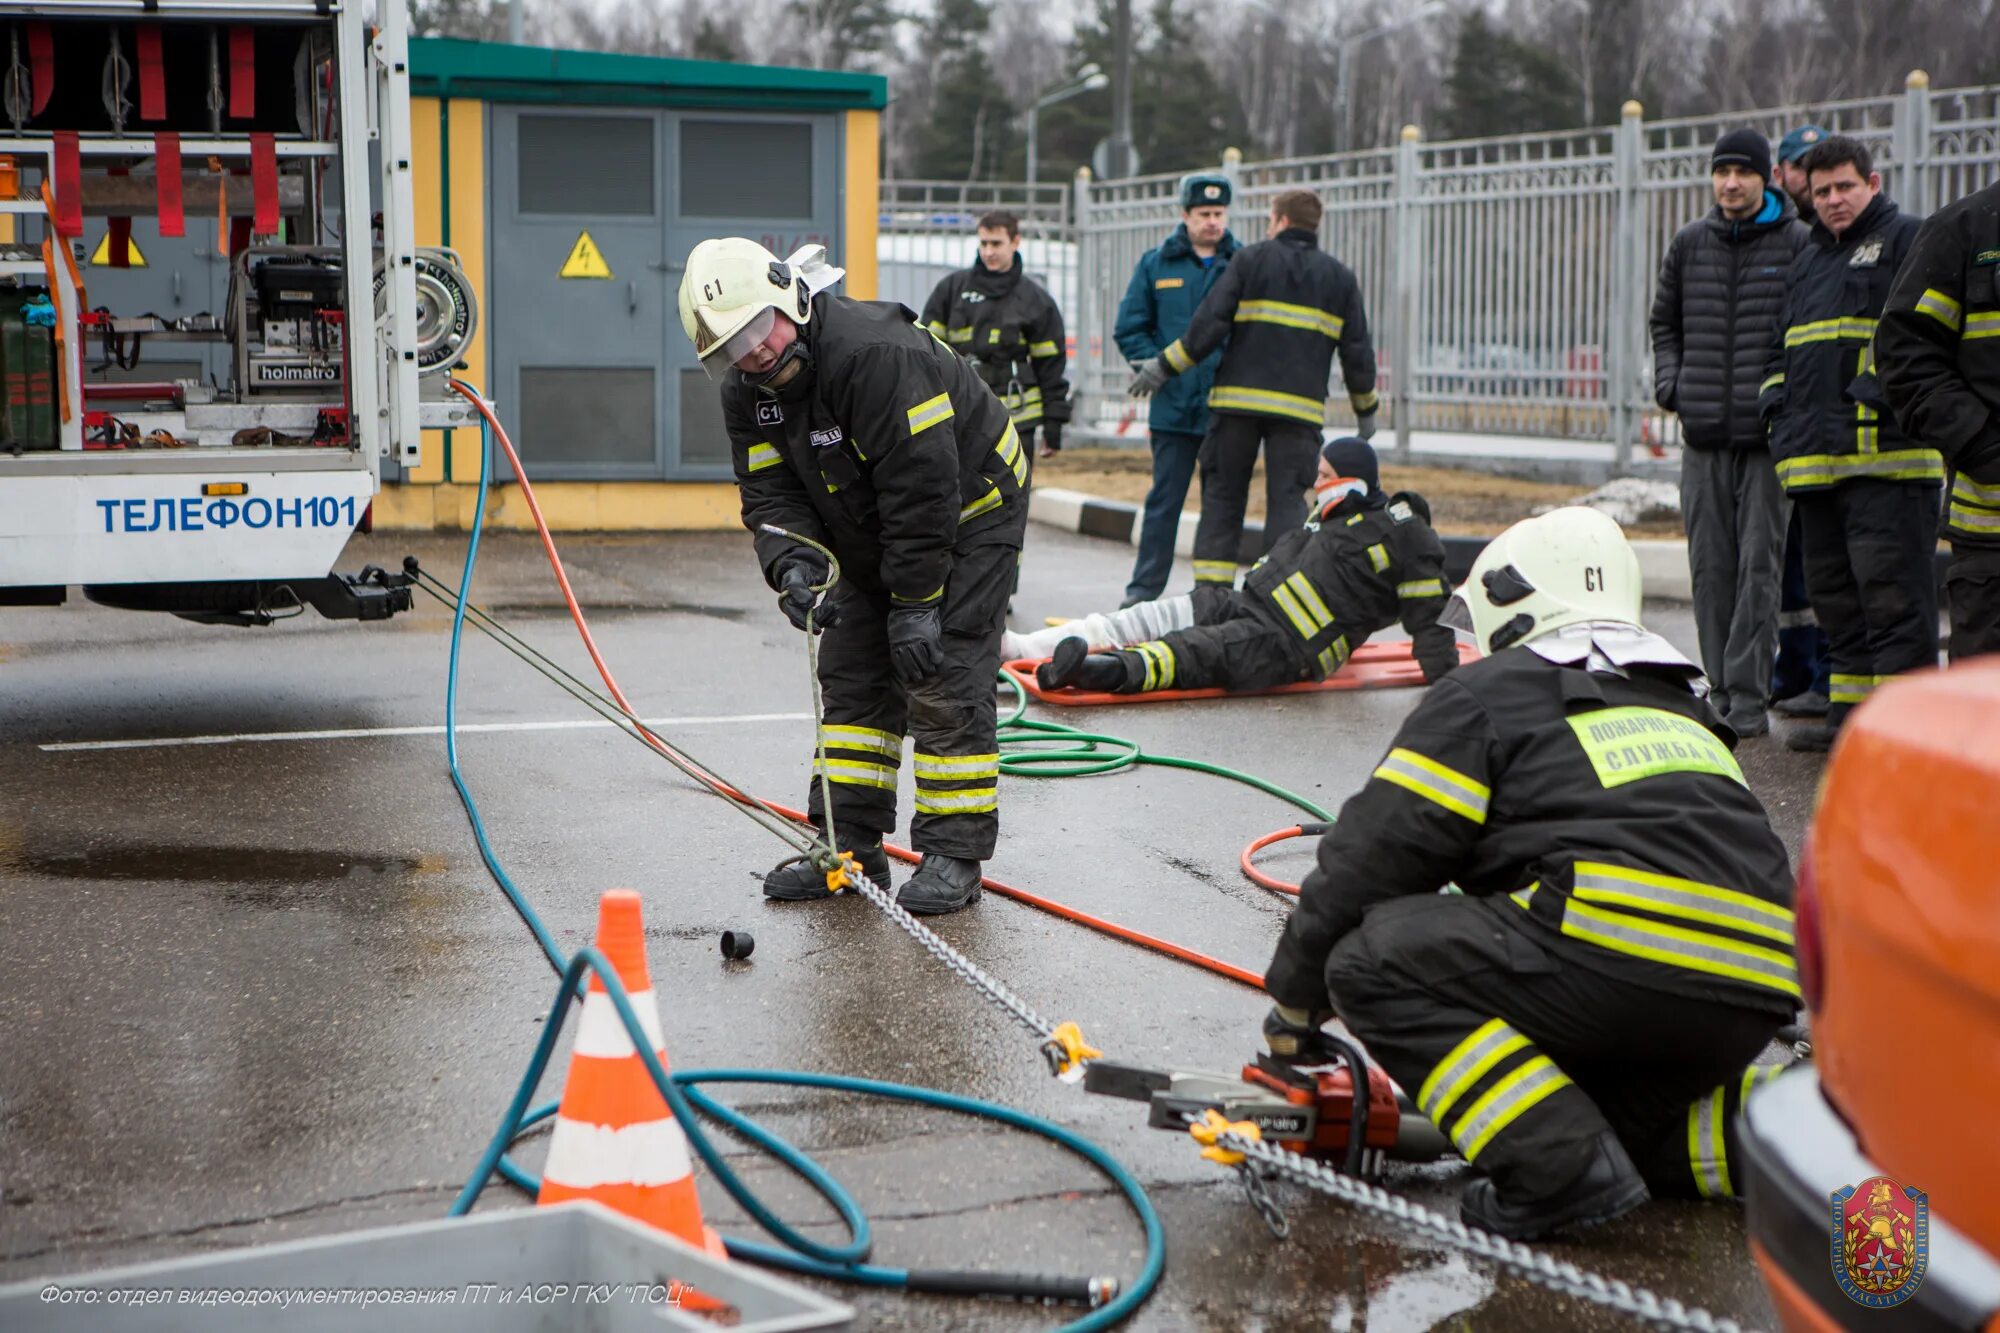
{"x":1722,"y":286}
{"x":1361,"y":561}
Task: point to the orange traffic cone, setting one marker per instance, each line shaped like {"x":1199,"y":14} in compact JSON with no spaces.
{"x":616,"y":1140}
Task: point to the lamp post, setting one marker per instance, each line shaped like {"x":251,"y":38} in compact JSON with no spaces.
{"x":1089,"y":79}
{"x":1348,"y":45}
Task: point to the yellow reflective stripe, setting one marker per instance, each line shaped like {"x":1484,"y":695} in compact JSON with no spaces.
{"x":1676,"y":946}
{"x":855,"y":773}
{"x":1971,"y":520}
{"x":1893,"y":465}
{"x":1033,"y":395}
{"x":1418,"y":588}
{"x":1364,"y":403}
{"x":1177,"y":357}
{"x":1333,"y":657}
{"x":1525,"y":898}
{"x":1689,"y":899}
{"x":762,"y":456}
{"x":1974,"y":492}
{"x":1290,"y":316}
{"x":1041,"y":351}
{"x":1243,"y":399}
{"x":962,"y":334}
{"x":1511,"y":1098}
{"x":1464,"y":1065}
{"x":1851,"y":689}
{"x":971,"y":801}
{"x":1010,"y":453}
{"x":984,"y":504}
{"x":868,"y":739}
{"x":1941,"y":308}
{"x":1754,"y":1075}
{"x":954,"y":767}
{"x":1378,"y":556}
{"x":1435,"y":782}
{"x":936,"y":327}
{"x":1772,"y":383}
{"x":1289,"y":604}
{"x":1829,"y":330}
{"x":1983,"y":325}
{"x":1215,"y":571}
{"x":1309,"y":598}
{"x":1158,"y":660}
{"x":1707,"y":1158}
{"x":929,"y":413}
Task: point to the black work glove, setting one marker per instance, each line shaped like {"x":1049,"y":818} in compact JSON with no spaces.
{"x":1364,"y":426}
{"x":1152,"y":374}
{"x":916,"y":643}
{"x":795,"y":595}
{"x":1295,"y":1038}
{"x":1051,"y":439}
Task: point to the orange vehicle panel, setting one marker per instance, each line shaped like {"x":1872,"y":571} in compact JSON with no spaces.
{"x":1906,"y":855}
{"x":1797,"y":1312}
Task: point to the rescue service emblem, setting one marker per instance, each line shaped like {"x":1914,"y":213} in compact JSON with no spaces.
{"x":770,"y":414}
{"x":1867,"y":256}
{"x":1881,"y":1241}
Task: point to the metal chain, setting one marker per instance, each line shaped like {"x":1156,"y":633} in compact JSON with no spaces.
{"x":1557,"y":1274}
{"x":1260,"y":1198}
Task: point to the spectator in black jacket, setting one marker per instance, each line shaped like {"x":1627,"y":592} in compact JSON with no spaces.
{"x":1722,"y":286}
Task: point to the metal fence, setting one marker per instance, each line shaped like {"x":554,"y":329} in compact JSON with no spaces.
{"x":1508,"y":280}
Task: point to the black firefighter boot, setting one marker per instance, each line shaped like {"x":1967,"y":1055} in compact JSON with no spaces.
{"x":802,"y":882}
{"x":1609,"y":1187}
{"x":942,"y":884}
{"x":1074,"y":664}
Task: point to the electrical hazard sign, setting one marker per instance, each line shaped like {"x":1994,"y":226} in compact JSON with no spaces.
{"x":585,"y":260}
{"x":101,"y":256}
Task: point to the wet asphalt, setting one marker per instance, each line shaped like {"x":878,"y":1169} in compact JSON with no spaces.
{"x":258,"y":990}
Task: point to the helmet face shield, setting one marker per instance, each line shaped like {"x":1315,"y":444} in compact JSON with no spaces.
{"x":725,"y":353}
{"x":1457,"y":614}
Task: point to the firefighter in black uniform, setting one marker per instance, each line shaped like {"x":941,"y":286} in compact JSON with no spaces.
{"x":1362,"y":561}
{"x":1937,"y":353}
{"x":851,"y":425}
{"x":1581,"y":1019}
{"x":1010,"y":329}
{"x":1867,"y":496}
{"x":1285,"y":307}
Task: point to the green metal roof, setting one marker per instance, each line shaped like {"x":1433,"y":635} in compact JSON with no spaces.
{"x":495,"y":71}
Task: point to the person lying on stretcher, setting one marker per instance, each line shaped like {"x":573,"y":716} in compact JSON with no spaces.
{"x":1361,"y":561}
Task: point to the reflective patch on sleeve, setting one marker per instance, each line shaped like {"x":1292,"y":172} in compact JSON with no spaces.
{"x":1941,"y":308}
{"x":1628,"y":744}
{"x":1042,"y":351}
{"x":762,"y":456}
{"x":1417,"y":588}
{"x":1436,"y":782}
{"x":929,"y":413}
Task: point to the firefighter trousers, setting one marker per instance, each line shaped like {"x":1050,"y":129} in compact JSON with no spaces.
{"x":1871,"y":549}
{"x":950,"y":718}
{"x":1972,"y":588}
{"x":1228,"y":457}
{"x":1523,"y":1056}
{"x":1230,"y":646}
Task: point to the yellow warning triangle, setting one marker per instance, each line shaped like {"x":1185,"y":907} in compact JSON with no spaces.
{"x":585,"y":260}
{"x":101,"y":256}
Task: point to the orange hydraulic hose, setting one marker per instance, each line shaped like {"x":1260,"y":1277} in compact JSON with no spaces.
{"x":1231,"y":971}
{"x":1257,"y":876}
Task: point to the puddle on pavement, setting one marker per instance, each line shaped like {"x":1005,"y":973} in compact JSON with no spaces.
{"x":263,"y":876}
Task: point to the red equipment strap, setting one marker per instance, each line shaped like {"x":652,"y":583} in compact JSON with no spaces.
{"x":118,"y":243}
{"x":68,"y":184}
{"x":264,"y":182}
{"x":41,"y":64}
{"x":152,"y":76}
{"x":167,"y":161}
{"x":239,"y":236}
{"x":242,"y":73}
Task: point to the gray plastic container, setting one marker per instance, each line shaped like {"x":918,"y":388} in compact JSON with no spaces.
{"x":572,"y":1268}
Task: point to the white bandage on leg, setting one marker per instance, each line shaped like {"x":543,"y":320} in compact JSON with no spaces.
{"x":1134,"y":624}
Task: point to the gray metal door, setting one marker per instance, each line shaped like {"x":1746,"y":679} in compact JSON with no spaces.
{"x":172,"y":277}
{"x":577,"y":358}
{"x":772,"y":178}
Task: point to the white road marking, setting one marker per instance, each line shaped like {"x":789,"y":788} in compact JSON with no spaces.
{"x":358,"y":733}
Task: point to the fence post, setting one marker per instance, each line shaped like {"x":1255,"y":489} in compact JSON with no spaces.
{"x":1913,"y":141}
{"x":1622,"y":354}
{"x":1089,"y":347}
{"x":1406,"y":256}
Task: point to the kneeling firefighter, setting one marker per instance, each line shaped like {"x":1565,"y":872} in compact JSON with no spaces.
{"x":1580,"y":1021}
{"x":851,"y":425}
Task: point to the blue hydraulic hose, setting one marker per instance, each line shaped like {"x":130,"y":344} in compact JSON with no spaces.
{"x":690,"y":1104}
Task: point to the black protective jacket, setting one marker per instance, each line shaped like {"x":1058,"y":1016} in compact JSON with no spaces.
{"x":1937,"y":353}
{"x":1607,"y":807}
{"x":1011,"y":329}
{"x":1722,"y":289}
{"x":1829,"y":420}
{"x":1357,"y":566}
{"x":1285,"y":307}
{"x":896,"y":456}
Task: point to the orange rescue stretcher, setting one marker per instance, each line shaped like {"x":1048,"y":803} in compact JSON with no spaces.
{"x":1374,"y":666}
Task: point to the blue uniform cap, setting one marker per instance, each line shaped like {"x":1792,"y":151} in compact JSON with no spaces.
{"x":1204,"y":190}
{"x":1799,"y":142}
